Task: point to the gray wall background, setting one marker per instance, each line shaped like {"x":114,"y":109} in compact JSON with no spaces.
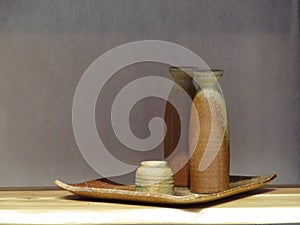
{"x":45,"y":47}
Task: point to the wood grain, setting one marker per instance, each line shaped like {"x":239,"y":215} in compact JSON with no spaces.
{"x":265,"y":205}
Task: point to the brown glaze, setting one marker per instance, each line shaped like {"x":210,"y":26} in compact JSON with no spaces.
{"x":209,"y":140}
{"x":182,"y":195}
{"x":174,"y":129}
{"x":105,"y":183}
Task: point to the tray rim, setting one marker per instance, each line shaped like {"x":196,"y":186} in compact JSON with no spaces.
{"x":163,"y":199}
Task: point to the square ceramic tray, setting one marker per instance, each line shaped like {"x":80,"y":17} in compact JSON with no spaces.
{"x":103,"y":189}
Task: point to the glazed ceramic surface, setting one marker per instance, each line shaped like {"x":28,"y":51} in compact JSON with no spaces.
{"x":176,"y":126}
{"x":154,"y":177}
{"x":208,"y":136}
{"x":104,"y":190}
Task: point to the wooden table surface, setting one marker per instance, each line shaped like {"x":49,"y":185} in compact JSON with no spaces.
{"x":262,"y":206}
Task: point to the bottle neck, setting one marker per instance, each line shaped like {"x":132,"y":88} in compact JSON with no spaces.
{"x":183,"y":77}
{"x":207,"y":79}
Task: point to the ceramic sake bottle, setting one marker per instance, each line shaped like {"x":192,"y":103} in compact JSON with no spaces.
{"x":209,"y":136}
{"x":176,"y":125}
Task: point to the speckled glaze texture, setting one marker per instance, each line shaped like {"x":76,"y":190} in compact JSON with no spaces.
{"x":182,"y":77}
{"x":154,"y":177}
{"x":209,"y":138}
{"x":104,"y":190}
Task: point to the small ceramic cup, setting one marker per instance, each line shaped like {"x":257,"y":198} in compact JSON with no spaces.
{"x":154,"y":177}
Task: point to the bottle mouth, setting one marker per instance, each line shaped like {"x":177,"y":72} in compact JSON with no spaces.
{"x":154,"y":163}
{"x":202,"y":77}
{"x":207,"y":77}
{"x":195,"y":71}
{"x":183,"y":68}
{"x":182,"y":72}
{"x":214,"y":72}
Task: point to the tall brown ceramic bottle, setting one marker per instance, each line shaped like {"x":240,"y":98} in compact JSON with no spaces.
{"x":209,"y":136}
{"x":173,"y":123}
